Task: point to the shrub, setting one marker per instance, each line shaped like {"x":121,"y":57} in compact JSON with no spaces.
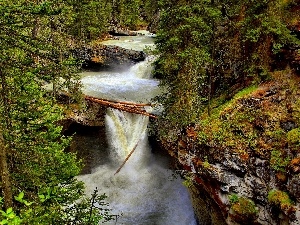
{"x":280,"y":199}
{"x":244,"y":209}
{"x":278,"y":162}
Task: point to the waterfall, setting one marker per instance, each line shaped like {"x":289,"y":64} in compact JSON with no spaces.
{"x":125,"y":133}
{"x":145,"y":191}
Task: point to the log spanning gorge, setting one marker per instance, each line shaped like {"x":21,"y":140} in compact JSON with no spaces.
{"x":137,"y":108}
{"x":142,"y":191}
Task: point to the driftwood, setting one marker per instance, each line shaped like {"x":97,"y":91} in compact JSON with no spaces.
{"x":137,"y":108}
{"x":118,"y":170}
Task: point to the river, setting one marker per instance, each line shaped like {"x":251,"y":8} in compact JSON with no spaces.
{"x":144,"y":191}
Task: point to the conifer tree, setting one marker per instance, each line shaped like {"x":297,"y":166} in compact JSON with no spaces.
{"x":186,"y":57}
{"x":33,"y":161}
{"x":210,"y":48}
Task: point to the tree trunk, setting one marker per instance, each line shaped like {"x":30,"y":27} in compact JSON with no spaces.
{"x":5,"y":178}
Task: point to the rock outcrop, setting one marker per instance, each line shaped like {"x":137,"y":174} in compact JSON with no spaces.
{"x":244,"y":160}
{"x":107,"y":56}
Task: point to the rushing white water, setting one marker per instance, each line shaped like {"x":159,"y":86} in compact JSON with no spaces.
{"x":132,"y":84}
{"x":138,"y":43}
{"x":144,"y":192}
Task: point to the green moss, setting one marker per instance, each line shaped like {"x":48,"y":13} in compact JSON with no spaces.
{"x":219,"y":104}
{"x":276,"y":134}
{"x":296,"y":111}
{"x":278,"y":161}
{"x":229,"y":124}
{"x":206,"y":164}
{"x":293,"y":137}
{"x":243,"y":206}
{"x":280,"y":199}
{"x":233,"y":198}
{"x":188,"y":180}
{"x":246,"y":91}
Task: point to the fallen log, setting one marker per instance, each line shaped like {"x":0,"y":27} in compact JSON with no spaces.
{"x":118,"y":170}
{"x":130,"y":107}
{"x":113,"y":101}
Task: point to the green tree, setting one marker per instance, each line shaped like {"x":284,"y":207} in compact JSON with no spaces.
{"x":186,"y":57}
{"x":213,"y":48}
{"x":33,"y":161}
{"x":90,"y":19}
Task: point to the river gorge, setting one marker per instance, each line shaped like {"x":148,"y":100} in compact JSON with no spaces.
{"x":230,"y":175}
{"x":144,"y":191}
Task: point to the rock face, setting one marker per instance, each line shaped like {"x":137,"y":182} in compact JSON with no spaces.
{"x":91,"y":115}
{"x":119,"y":31}
{"x":244,"y":160}
{"x":153,"y":26}
{"x":105,"y":56}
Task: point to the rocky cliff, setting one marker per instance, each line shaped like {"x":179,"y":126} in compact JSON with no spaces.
{"x":244,"y":159}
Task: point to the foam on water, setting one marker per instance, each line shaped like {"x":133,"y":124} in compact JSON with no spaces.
{"x":133,"y":84}
{"x":144,"y":192}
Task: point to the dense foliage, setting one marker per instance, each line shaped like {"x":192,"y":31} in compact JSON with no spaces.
{"x":34,"y":165}
{"x":36,"y":65}
{"x":232,"y":100}
{"x":208,"y":50}
{"x":213,"y":48}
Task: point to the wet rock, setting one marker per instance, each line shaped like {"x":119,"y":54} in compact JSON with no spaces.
{"x":271,"y":91}
{"x":264,"y":216}
{"x":258,"y":188}
{"x":234,"y":162}
{"x":206,"y":210}
{"x":120,"y":31}
{"x":92,"y":115}
{"x":229,"y":182}
{"x":107,"y":56}
{"x":294,"y":187}
{"x":261,"y":168}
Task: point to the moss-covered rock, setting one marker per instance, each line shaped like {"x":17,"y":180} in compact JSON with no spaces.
{"x":251,"y":144}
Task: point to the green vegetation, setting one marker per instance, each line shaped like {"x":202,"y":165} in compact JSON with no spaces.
{"x":278,"y":162}
{"x":86,"y":211}
{"x":211,"y":49}
{"x":186,"y":56}
{"x":293,"y":137}
{"x":280,"y":199}
{"x":89,"y":19}
{"x":206,"y":164}
{"x":188,"y":181}
{"x":217,"y":60}
{"x":243,"y":207}
{"x":226,"y":129}
{"x":35,"y":46}
{"x":37,"y":39}
{"x":212,"y":56}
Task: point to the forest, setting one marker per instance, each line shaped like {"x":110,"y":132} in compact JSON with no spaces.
{"x":209,"y":53}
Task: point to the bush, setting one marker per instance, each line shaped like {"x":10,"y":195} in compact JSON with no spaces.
{"x":280,"y":199}
{"x":244,"y":209}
